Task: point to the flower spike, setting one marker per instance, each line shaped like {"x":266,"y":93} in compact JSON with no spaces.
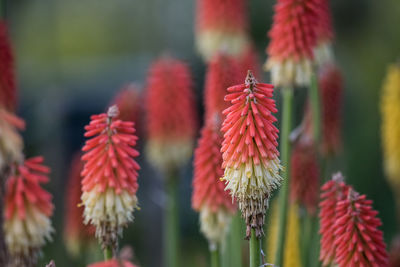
{"x":221,"y":26}
{"x":110,"y":173}
{"x":77,"y":235}
{"x":250,"y":157}
{"x":357,"y":221}
{"x":293,"y":39}
{"x":209,"y":197}
{"x":28,"y":208}
{"x":170,"y":113}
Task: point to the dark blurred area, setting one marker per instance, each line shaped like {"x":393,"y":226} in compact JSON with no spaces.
{"x":73,"y":56}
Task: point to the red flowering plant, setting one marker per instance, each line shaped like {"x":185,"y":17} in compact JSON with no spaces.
{"x":221,"y":26}
{"x":250,"y":157}
{"x":171,"y":114}
{"x":349,"y":228}
{"x":110,"y":173}
{"x":28,"y":208}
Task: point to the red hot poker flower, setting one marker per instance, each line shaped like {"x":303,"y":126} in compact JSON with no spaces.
{"x":357,"y":238}
{"x":209,"y":197}
{"x":28,"y":208}
{"x":323,"y":51}
{"x":171,"y":114}
{"x":221,"y":26}
{"x":331,"y":88}
{"x":7,"y":77}
{"x":293,"y":39}
{"x":110,"y":173}
{"x":332,"y":192}
{"x":250,"y":157}
{"x":222,"y":72}
{"x":76,"y":234}
{"x":304,"y":182}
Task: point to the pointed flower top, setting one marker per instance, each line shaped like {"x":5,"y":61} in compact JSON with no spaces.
{"x":332,"y":192}
{"x":221,"y":26}
{"x":346,"y":215}
{"x":356,"y":221}
{"x":28,"y":207}
{"x":250,"y":155}
{"x":292,"y":41}
{"x":171,"y":113}
{"x":109,"y":154}
{"x":110,"y":174}
{"x":8,"y":94}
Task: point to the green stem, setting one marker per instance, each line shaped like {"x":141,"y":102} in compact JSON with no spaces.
{"x":171,"y":230}
{"x":285,"y":157}
{"x":315,"y":108}
{"x":232,"y":254}
{"x":108,"y":254}
{"x":215,"y":259}
{"x":307,"y":234}
{"x":255,"y":250}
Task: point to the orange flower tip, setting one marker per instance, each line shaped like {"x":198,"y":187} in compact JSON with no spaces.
{"x":250,"y":156}
{"x":28,"y":208}
{"x":110,"y":173}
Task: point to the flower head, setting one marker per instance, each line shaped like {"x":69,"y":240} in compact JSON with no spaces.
{"x":76,"y":234}
{"x":304,"y":181}
{"x":323,"y":51}
{"x":209,"y":197}
{"x":110,"y":173}
{"x":10,"y":140}
{"x":221,"y":26}
{"x":223,"y":71}
{"x":293,"y":39}
{"x":332,"y":192}
{"x":129,"y":103}
{"x":28,"y":208}
{"x":331,"y":88}
{"x":112,"y":263}
{"x":250,"y":157}
{"x":8,"y":94}
{"x":390,"y":110}
{"x":356,"y":221}
{"x":170,"y":113}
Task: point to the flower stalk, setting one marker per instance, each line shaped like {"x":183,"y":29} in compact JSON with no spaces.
{"x":215,"y":256}
{"x":255,"y":250}
{"x":171,"y":232}
{"x":287,"y":111}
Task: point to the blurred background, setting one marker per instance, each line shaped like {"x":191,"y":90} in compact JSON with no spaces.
{"x":73,"y":57}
